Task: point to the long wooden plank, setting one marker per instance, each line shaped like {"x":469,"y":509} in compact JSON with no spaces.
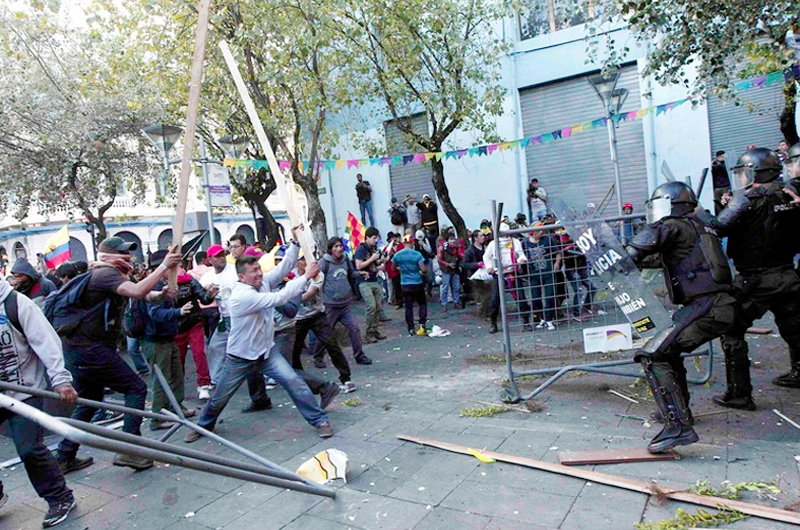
{"x":613,"y":456}
{"x":191,"y":127}
{"x":283,"y":190}
{"x":756,"y":510}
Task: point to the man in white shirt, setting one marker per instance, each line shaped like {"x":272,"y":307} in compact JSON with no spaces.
{"x":251,"y":340}
{"x":537,"y":201}
{"x":225,"y":278}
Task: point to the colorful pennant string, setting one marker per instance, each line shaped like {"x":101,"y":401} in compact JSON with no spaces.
{"x":490,"y":149}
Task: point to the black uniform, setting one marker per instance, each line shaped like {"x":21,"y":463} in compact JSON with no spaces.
{"x":761,"y":226}
{"x":698,"y":278}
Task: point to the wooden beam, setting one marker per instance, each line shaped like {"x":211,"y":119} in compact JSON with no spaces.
{"x":191,"y":127}
{"x":613,"y":456}
{"x":756,"y":510}
{"x":283,"y":189}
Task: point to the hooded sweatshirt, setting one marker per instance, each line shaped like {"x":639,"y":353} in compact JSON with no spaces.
{"x":336,"y":291}
{"x":25,"y":358}
{"x":41,"y":286}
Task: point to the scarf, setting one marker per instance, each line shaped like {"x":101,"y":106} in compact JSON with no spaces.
{"x":121,"y":262}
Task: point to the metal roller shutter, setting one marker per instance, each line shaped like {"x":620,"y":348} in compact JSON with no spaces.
{"x":411,"y":178}
{"x":584,"y":160}
{"x":734,"y":127}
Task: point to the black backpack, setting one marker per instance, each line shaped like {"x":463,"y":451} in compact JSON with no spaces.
{"x":65,"y":309}
{"x":134,"y":319}
{"x":12,"y":311}
{"x":398,"y":216}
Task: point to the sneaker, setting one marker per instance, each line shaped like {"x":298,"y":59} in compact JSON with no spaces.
{"x":541,"y":324}
{"x":347,"y":387}
{"x":271,"y":384}
{"x":363,"y":359}
{"x":106,"y":416}
{"x":577,"y":318}
{"x":255,"y":407}
{"x":601,"y":313}
{"x":58,"y":511}
{"x":135,"y":462}
{"x":421,"y":332}
{"x":192,"y":436}
{"x":493,"y":328}
{"x":412,"y":332}
{"x":68,"y":465}
{"x":189,"y":413}
{"x":325,"y":430}
{"x":319,"y":363}
{"x":329,"y":392}
{"x":160,"y":425}
{"x":550,"y":326}
{"x":203,"y":393}
{"x":369,"y":339}
{"x":384,"y":318}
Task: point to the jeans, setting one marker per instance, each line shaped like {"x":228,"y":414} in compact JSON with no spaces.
{"x":194,"y":339}
{"x":324,"y":335}
{"x":94,"y":368}
{"x":217,"y":350}
{"x":284,"y":343}
{"x":41,"y":466}
{"x":135,"y":353}
{"x":372,"y":294}
{"x":366,"y":209}
{"x":543,"y":294}
{"x":235,"y":370}
{"x":412,"y":294}
{"x":165,"y":355}
{"x":334,"y":314}
{"x":450,"y":289}
{"x":397,"y":288}
{"x":513,"y":289}
{"x":576,"y":278}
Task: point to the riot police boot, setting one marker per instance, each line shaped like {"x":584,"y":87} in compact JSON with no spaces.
{"x":738,"y":394}
{"x":670,"y":402}
{"x":791,"y":379}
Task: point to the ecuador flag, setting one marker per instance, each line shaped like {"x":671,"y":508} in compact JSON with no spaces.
{"x":354,"y":231}
{"x":57,"y":250}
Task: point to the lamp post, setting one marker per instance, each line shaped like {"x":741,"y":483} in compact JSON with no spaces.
{"x":163,"y":137}
{"x":613,"y":98}
{"x":234,"y":147}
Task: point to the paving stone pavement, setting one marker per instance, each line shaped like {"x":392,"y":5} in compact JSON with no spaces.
{"x":419,"y":386}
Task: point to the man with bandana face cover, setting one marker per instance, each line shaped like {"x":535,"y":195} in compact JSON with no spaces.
{"x":90,"y":353}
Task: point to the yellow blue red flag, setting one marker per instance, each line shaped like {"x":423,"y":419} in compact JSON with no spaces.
{"x":57,"y":250}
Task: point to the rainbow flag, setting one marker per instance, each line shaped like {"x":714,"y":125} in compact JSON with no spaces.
{"x":57,"y":250}
{"x":354,"y":231}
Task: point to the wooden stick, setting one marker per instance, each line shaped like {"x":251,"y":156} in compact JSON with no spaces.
{"x":283,"y":189}
{"x":765,"y":512}
{"x":191,"y":127}
{"x":786,"y":418}
{"x":623,"y":396}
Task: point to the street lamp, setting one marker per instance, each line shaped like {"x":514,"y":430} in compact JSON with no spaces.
{"x":234,"y":147}
{"x":613,"y":98}
{"x":163,"y":137}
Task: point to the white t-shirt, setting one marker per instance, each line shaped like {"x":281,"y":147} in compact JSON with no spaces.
{"x":537,"y":204}
{"x":225,"y":281}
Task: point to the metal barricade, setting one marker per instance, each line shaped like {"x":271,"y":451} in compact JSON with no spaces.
{"x":553,"y":306}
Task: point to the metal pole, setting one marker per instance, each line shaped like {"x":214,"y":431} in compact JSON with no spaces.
{"x":612,"y":139}
{"x":497,"y":213}
{"x":81,"y":401}
{"x":207,"y":185}
{"x":78,"y":436}
{"x":230,"y":445}
{"x":333,"y":205}
{"x":173,"y":401}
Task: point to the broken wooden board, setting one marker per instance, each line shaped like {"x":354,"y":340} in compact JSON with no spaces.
{"x":766,"y":512}
{"x":613,"y":456}
{"x":759,"y":331}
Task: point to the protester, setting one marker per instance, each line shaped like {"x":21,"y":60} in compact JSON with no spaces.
{"x":224,"y":278}
{"x":576,"y":272}
{"x":414,"y":221}
{"x":209,"y":312}
{"x":411,"y":265}
{"x":27,"y":280}
{"x":397,"y":215}
{"x":394,"y":246}
{"x":424,"y":247}
{"x":337,"y":296}
{"x":543,"y":256}
{"x":721,"y":180}
{"x":473,"y":260}
{"x":191,"y":328}
{"x":90,"y":352}
{"x":429,"y":215}
{"x":364,"y":194}
{"x":30,"y":349}
{"x":449,"y":255}
{"x":370,"y":260}
{"x":537,"y":201}
{"x":251,"y":341}
{"x":511,"y":256}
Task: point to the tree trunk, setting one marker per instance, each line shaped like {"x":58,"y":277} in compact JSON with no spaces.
{"x":266,"y":232}
{"x":319,"y":228}
{"x":788,"y":127}
{"x":444,"y":200}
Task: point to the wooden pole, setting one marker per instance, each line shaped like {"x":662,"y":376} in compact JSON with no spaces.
{"x":191,"y":127}
{"x":283,"y":190}
{"x":766,"y":512}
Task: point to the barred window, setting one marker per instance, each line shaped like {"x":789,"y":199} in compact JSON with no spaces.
{"x":539,"y":17}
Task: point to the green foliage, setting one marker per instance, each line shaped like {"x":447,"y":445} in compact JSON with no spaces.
{"x":732,"y":491}
{"x":685,"y":521}
{"x":352,"y":402}
{"x":484,"y":411}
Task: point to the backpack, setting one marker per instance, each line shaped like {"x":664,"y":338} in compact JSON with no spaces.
{"x":65,"y":310}
{"x":398,"y":216}
{"x":12,"y":311}
{"x":134,"y":319}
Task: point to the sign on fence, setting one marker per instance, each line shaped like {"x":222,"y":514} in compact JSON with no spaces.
{"x":604,"y":339}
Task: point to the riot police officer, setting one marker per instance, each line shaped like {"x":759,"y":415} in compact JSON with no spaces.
{"x":760,"y":222}
{"x":791,"y":170}
{"x":698,"y":277}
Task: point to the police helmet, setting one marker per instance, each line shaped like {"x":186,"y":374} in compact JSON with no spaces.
{"x":793,"y":151}
{"x":791,"y":166}
{"x":758,"y":165}
{"x":671,"y":198}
